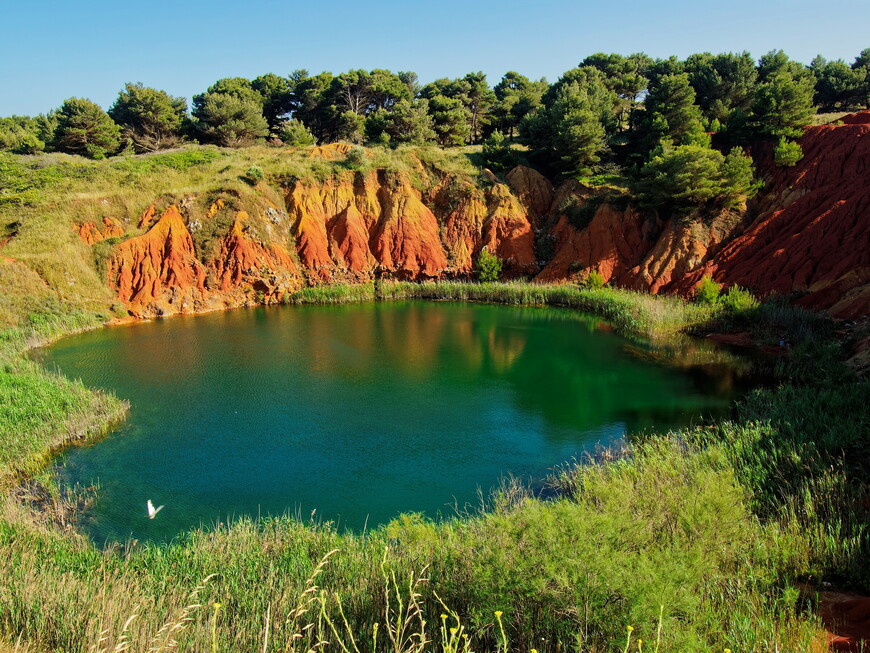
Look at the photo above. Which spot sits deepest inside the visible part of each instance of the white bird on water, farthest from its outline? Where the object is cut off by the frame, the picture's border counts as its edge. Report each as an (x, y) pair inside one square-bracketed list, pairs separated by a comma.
[(152, 511)]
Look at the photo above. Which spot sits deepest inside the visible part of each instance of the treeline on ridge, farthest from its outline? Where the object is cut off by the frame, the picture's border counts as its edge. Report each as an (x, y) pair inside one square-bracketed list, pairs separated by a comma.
[(625, 115)]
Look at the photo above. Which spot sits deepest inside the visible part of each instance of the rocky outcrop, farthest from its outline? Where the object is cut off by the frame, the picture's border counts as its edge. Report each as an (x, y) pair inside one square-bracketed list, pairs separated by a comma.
[(355, 225), (406, 239), (613, 243), (461, 206), (812, 231), (244, 265), (158, 273), (90, 233), (534, 192), (313, 206), (808, 232), (507, 232), (147, 217), (331, 151), (680, 250)]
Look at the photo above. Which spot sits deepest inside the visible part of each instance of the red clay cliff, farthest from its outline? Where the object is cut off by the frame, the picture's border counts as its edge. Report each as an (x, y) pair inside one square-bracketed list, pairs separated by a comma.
[(806, 234)]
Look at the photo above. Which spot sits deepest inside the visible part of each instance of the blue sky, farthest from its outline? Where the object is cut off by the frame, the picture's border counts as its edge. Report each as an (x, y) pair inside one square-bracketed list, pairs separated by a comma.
[(52, 50)]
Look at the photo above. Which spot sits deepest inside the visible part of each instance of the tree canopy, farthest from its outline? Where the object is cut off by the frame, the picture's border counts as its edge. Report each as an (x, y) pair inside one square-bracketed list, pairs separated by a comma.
[(150, 118), (680, 179), (84, 128), (630, 115)]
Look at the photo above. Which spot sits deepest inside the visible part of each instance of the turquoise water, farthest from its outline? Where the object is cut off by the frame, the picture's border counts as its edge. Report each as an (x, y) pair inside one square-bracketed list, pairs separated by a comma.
[(356, 413)]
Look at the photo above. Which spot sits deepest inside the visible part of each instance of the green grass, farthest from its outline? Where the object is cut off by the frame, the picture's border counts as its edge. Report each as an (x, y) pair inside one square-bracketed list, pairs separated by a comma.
[(827, 118), (665, 536), (40, 411), (631, 313), (695, 539), (333, 294), (803, 455)]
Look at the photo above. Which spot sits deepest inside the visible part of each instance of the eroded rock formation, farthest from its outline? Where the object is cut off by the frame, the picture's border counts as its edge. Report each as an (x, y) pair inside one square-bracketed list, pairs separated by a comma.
[(812, 230), (158, 273), (90, 233), (808, 231)]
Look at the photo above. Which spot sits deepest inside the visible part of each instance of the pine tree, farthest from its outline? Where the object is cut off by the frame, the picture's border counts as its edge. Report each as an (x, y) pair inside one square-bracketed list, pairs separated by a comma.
[(84, 128)]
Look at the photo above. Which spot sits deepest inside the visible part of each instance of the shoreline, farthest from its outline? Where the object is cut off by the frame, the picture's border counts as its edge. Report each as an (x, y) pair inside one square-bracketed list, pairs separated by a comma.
[(15, 481)]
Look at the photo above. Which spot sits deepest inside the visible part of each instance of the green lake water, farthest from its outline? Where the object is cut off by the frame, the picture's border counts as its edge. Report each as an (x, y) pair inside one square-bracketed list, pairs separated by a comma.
[(356, 413)]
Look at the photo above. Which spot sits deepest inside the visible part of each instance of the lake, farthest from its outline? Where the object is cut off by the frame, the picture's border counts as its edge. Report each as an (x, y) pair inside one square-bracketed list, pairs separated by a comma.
[(357, 413)]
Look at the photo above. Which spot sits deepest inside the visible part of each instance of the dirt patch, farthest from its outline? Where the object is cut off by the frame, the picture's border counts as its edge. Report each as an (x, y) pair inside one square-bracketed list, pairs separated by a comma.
[(846, 617)]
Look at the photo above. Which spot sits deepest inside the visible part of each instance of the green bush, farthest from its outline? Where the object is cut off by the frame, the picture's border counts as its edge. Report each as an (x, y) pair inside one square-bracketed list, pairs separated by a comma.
[(295, 134), (355, 159), (708, 291), (497, 154), (738, 300), (488, 266), (254, 175), (787, 153), (680, 179), (594, 280)]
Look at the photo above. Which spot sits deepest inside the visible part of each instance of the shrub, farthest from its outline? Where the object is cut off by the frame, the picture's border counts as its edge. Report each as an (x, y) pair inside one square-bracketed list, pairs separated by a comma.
[(20, 134), (707, 291), (84, 128), (787, 153), (295, 134), (681, 179), (488, 266), (738, 300), (594, 280), (254, 174), (497, 154), (229, 120), (355, 159), (150, 118)]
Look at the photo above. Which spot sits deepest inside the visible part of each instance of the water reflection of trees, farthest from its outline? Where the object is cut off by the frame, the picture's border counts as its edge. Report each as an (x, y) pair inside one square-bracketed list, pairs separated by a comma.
[(560, 365)]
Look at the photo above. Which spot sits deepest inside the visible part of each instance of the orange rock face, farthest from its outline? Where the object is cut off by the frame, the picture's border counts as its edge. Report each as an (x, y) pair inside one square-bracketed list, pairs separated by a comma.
[(244, 264), (847, 619), (612, 244), (535, 193), (681, 249), (332, 223), (353, 224), (112, 228), (147, 217), (507, 232), (331, 151), (813, 231), (158, 273), (406, 238), (90, 233), (810, 233), (462, 210)]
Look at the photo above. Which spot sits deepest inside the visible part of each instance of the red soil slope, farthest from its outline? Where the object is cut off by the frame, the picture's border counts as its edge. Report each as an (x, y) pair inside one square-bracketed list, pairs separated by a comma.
[(812, 233), (847, 620), (90, 233), (244, 263), (158, 273), (808, 231)]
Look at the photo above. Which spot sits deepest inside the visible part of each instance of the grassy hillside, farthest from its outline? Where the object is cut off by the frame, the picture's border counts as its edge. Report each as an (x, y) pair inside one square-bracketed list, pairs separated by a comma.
[(690, 541), (44, 198)]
